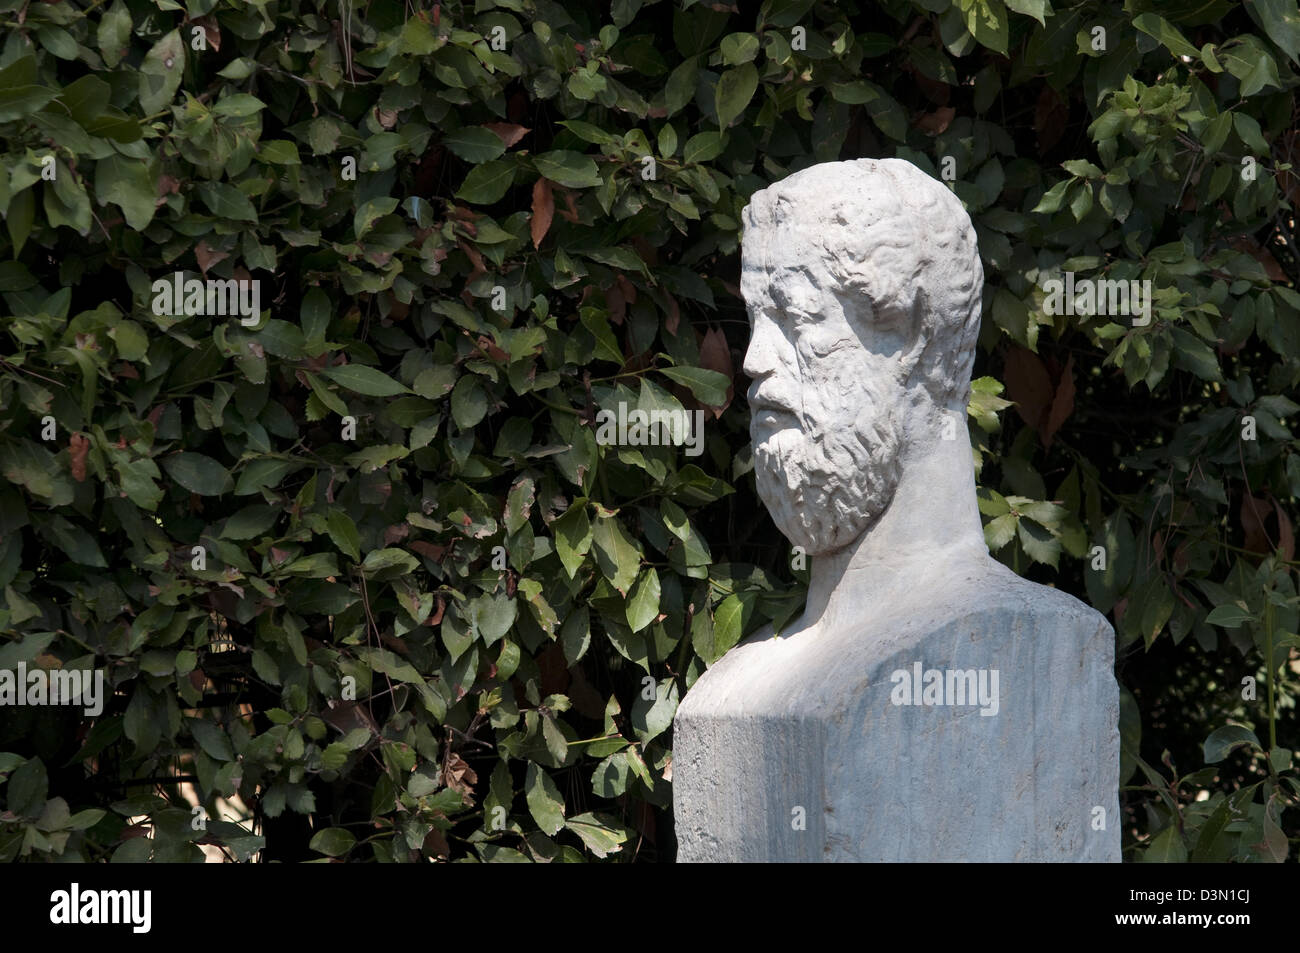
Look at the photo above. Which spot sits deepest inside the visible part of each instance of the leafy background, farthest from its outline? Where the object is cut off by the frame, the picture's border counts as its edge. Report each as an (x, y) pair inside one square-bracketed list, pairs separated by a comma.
[(463, 632)]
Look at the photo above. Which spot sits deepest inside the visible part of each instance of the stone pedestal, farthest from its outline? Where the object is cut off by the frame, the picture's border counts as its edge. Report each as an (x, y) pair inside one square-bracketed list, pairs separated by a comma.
[(806, 748)]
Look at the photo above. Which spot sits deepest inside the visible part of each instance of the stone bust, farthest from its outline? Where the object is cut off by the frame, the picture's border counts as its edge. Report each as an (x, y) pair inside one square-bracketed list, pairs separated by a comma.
[(929, 704)]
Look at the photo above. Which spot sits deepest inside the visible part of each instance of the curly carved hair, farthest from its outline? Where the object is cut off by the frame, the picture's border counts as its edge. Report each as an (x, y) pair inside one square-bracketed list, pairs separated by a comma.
[(890, 232)]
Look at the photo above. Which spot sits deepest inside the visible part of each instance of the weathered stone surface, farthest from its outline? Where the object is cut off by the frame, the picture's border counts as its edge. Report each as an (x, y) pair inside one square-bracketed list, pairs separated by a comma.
[(864, 287)]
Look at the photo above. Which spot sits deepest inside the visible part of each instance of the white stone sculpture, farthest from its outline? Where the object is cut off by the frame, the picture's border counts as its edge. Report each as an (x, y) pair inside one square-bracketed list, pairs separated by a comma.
[(929, 704)]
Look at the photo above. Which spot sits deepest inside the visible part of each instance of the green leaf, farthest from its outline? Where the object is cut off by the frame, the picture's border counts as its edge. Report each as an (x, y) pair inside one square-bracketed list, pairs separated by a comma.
[(544, 800), (730, 620), (361, 379), (571, 169), (225, 201), (709, 387), (602, 834), (1038, 9), (617, 554), (19, 101), (1164, 31), (1223, 740), (1229, 616), (1193, 354), (474, 144), (702, 147), (739, 48), (487, 183), (160, 73), (197, 473), (469, 404), (370, 212), (643, 600), (1053, 198), (987, 22), (343, 532), (493, 615), (651, 718), (1167, 848), (680, 88), (333, 841), (1039, 544), (314, 315), (113, 35), (279, 152), (1281, 22), (736, 87), (573, 536)]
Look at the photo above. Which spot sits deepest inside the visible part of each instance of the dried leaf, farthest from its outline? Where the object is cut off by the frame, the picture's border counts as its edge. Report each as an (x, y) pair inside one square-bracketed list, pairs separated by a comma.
[(1051, 114), (1286, 532), (78, 447), (1062, 403), (715, 355), (207, 256), (1029, 385), (543, 211), (508, 132), (936, 122), (1252, 513)]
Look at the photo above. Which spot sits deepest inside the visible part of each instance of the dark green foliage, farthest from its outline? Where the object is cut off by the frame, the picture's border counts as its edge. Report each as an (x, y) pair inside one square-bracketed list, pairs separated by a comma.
[(461, 628)]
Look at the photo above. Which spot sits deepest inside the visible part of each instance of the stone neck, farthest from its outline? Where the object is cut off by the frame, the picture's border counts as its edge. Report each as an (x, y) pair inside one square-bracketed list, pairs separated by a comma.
[(930, 528)]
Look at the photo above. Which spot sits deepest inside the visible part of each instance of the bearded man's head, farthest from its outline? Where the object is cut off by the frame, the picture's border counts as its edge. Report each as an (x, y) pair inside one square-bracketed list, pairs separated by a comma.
[(863, 283)]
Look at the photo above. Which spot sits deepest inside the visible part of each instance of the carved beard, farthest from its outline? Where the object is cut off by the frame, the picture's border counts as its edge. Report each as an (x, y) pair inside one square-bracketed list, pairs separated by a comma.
[(827, 482)]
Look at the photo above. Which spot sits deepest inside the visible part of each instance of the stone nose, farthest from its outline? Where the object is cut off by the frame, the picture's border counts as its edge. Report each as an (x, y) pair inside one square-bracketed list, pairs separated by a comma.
[(763, 356)]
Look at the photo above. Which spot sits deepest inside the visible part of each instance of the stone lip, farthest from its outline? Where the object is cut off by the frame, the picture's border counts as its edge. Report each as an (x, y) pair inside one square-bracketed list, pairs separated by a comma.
[(806, 721)]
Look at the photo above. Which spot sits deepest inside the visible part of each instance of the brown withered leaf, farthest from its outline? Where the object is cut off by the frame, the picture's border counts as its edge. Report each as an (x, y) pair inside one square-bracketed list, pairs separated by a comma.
[(459, 776), (1062, 403), (211, 30), (476, 260), (1029, 385), (1285, 531), (426, 548), (1051, 114), (615, 303), (78, 447), (715, 355), (674, 314), (570, 212), (168, 185), (345, 716), (438, 610), (554, 670), (543, 211), (936, 122), (435, 844), (1248, 244), (628, 289), (207, 256), (1252, 513), (508, 132)]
